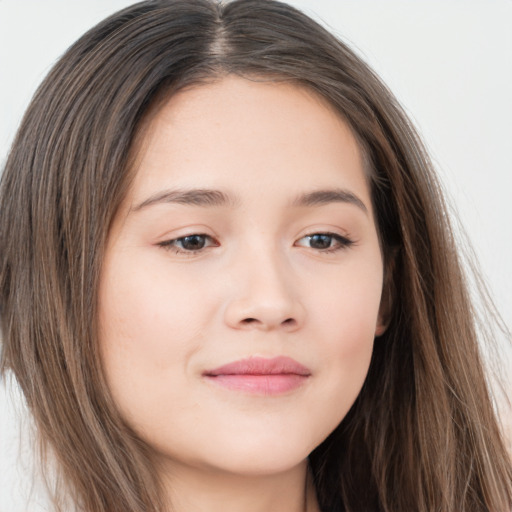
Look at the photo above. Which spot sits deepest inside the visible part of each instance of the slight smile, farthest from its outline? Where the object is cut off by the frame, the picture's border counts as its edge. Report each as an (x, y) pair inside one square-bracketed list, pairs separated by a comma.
[(260, 376)]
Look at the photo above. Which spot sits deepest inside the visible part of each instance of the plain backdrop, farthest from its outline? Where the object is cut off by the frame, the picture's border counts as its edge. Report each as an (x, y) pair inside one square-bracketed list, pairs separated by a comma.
[(448, 61)]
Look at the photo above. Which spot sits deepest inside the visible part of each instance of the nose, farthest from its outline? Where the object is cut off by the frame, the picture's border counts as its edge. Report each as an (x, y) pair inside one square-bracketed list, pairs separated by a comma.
[(265, 295)]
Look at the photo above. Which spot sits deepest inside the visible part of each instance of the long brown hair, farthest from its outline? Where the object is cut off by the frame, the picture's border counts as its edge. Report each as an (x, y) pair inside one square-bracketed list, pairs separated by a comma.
[(421, 436)]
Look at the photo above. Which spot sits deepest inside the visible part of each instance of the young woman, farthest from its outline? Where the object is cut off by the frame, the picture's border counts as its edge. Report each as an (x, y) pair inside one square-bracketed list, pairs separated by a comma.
[(228, 280)]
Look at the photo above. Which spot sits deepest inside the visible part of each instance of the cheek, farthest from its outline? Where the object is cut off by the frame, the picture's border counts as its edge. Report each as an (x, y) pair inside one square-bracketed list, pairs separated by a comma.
[(347, 317), (349, 306), (148, 333), (143, 307)]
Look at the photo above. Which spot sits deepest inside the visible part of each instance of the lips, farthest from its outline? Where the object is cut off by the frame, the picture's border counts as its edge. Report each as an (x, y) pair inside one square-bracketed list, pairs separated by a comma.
[(258, 375)]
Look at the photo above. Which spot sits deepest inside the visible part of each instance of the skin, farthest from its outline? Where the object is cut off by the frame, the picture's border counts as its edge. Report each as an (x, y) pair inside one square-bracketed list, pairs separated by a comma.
[(258, 287)]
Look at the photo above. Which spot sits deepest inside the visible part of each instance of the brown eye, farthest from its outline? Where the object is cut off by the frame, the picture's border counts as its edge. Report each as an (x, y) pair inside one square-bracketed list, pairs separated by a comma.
[(189, 244), (327, 242), (320, 241), (192, 242)]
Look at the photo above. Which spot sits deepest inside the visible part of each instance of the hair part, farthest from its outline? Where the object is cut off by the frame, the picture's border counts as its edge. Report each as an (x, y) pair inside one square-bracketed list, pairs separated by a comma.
[(421, 436)]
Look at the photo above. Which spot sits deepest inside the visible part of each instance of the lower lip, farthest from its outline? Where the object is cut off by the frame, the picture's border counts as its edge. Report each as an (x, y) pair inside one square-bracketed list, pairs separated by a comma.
[(272, 384)]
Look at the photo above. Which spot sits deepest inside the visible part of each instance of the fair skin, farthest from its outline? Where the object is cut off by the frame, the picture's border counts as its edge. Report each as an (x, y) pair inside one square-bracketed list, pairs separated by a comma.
[(279, 257)]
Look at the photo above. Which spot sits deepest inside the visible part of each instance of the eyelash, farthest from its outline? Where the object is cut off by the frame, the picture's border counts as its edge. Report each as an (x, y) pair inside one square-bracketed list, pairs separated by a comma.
[(171, 245), (341, 242)]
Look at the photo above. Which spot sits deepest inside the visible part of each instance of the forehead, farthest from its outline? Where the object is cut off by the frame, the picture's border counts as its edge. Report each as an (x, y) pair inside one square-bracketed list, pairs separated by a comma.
[(236, 130)]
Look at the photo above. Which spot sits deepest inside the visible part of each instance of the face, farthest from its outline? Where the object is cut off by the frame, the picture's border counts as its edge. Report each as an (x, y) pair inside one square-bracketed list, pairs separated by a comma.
[(240, 289)]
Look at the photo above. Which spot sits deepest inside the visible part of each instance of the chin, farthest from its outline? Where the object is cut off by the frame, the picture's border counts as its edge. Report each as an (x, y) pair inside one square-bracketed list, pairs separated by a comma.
[(251, 454), (260, 463)]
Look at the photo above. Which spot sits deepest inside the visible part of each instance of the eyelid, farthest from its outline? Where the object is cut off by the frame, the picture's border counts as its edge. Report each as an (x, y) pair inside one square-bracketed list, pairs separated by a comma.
[(343, 242), (172, 244)]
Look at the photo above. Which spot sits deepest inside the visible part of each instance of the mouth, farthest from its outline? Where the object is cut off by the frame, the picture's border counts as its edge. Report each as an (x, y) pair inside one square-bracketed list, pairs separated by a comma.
[(258, 375)]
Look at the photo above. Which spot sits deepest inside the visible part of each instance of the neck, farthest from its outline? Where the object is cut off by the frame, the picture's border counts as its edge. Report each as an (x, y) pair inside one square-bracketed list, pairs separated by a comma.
[(193, 490)]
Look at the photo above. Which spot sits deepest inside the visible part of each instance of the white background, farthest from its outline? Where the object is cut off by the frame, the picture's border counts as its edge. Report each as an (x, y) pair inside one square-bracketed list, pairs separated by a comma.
[(448, 61)]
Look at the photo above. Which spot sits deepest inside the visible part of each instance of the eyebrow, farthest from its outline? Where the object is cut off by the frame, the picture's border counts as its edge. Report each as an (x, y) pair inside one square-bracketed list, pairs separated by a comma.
[(322, 197), (215, 198), (193, 197)]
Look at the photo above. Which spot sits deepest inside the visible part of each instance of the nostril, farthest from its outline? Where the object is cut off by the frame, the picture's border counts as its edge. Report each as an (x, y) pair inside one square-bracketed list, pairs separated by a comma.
[(266, 323)]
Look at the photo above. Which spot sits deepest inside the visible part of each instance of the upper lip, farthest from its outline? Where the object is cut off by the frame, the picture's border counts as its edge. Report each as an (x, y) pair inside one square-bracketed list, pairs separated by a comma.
[(281, 365)]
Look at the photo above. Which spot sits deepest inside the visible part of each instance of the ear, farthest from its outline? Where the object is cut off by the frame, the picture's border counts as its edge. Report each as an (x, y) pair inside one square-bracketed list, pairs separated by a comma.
[(388, 294), (381, 328), (383, 319)]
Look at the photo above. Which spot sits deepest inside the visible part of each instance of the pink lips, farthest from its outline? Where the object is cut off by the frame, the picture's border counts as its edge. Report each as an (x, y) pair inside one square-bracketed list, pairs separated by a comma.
[(259, 375)]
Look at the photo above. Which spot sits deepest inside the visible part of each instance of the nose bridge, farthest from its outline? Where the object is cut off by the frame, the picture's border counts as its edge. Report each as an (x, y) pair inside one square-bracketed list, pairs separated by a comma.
[(264, 293)]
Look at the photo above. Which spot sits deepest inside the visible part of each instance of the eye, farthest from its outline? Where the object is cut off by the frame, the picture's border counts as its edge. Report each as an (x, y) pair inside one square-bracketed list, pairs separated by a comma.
[(189, 244), (325, 242)]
